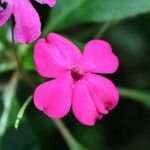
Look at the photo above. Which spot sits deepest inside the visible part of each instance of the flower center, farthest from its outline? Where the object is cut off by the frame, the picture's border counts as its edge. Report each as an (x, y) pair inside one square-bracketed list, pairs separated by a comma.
[(76, 73)]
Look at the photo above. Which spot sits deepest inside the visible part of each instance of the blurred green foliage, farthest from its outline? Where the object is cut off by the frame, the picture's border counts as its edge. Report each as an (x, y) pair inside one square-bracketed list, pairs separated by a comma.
[(125, 128), (69, 13)]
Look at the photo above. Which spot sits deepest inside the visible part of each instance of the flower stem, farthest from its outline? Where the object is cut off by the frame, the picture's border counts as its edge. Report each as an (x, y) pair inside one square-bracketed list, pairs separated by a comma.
[(21, 111), (14, 47), (70, 140)]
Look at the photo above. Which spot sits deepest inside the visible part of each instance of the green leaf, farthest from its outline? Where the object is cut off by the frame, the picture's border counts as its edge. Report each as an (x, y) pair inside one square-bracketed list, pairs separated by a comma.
[(7, 98), (136, 95), (73, 12)]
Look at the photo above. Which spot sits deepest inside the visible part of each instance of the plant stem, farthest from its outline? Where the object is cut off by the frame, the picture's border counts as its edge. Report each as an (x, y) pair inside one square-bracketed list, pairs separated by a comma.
[(70, 140), (102, 30), (22, 111), (14, 47)]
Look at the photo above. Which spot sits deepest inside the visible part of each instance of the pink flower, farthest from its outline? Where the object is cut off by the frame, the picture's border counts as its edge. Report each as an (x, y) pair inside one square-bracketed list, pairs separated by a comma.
[(27, 22), (75, 82)]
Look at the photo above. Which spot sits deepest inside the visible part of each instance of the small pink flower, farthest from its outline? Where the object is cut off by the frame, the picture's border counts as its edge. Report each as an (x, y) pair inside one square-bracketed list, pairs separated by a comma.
[(27, 22), (75, 82)]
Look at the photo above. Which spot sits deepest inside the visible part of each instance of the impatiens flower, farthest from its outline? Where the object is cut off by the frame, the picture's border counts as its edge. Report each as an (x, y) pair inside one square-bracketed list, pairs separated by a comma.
[(76, 81), (27, 22)]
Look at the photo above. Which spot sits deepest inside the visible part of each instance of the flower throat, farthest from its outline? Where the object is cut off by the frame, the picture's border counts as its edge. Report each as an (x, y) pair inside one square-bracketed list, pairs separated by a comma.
[(76, 73)]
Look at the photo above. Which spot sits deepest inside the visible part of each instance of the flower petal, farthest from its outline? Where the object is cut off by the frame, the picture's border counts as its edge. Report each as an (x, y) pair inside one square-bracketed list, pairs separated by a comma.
[(5, 13), (46, 66), (67, 52), (54, 55), (28, 26), (104, 93), (83, 106), (98, 58), (54, 97), (51, 3)]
